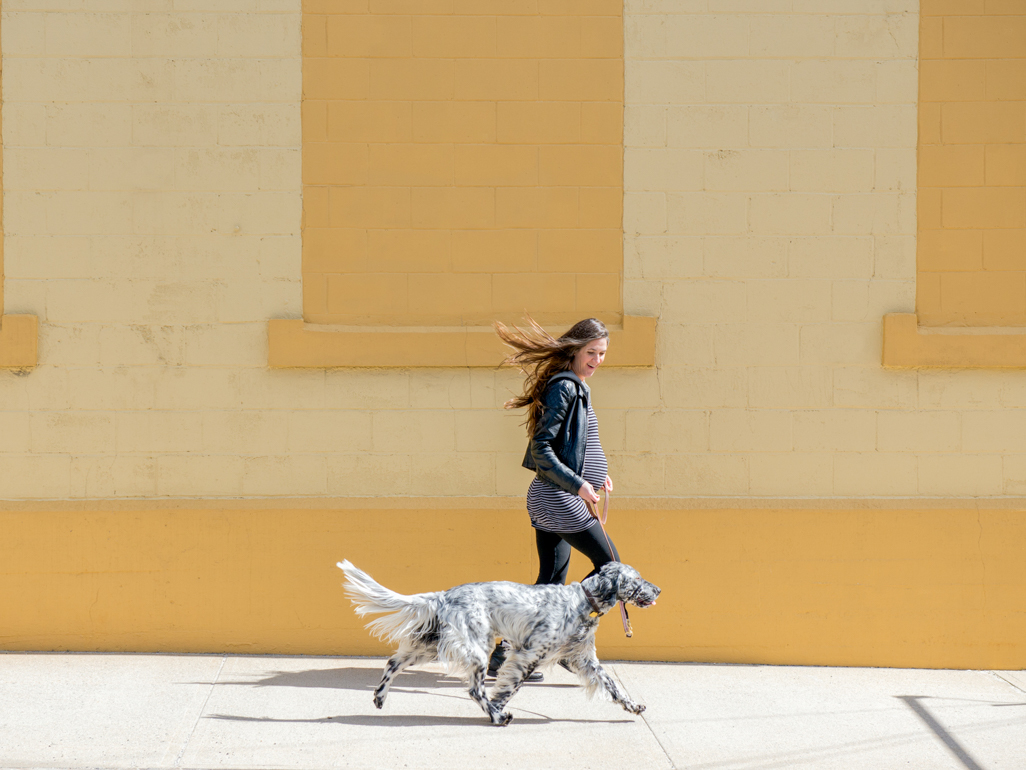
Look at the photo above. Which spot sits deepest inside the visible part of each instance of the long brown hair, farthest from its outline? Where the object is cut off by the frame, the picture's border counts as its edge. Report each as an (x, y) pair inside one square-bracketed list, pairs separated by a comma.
[(539, 356)]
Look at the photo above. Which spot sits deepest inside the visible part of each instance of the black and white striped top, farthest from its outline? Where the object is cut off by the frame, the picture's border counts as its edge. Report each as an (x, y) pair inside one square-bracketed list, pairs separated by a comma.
[(554, 510)]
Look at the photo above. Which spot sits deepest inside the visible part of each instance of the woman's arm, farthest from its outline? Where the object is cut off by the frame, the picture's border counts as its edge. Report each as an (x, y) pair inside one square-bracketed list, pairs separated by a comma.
[(555, 405)]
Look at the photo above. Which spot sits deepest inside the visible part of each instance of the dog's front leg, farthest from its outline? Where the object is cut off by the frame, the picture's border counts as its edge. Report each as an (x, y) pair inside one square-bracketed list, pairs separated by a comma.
[(595, 676)]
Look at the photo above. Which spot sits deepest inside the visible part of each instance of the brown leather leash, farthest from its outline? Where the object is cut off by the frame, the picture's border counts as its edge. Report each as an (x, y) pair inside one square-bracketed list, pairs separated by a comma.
[(602, 523)]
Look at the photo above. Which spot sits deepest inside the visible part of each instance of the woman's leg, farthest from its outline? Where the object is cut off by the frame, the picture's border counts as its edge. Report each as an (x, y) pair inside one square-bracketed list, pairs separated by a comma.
[(553, 558), (592, 543), (554, 561)]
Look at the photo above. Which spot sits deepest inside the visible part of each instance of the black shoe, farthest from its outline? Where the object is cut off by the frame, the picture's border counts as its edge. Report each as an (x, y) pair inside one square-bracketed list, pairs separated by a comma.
[(534, 676), (497, 659)]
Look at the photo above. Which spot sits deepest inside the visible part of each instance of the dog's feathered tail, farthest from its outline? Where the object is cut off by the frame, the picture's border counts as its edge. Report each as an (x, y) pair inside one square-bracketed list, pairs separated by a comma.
[(406, 615)]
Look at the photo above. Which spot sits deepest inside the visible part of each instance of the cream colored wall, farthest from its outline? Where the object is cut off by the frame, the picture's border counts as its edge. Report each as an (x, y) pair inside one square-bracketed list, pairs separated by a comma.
[(783, 232), (152, 202), (772, 265), (152, 208)]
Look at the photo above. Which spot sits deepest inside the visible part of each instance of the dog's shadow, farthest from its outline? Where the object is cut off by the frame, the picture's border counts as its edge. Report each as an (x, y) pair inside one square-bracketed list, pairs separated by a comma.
[(358, 678), (415, 720), (366, 679)]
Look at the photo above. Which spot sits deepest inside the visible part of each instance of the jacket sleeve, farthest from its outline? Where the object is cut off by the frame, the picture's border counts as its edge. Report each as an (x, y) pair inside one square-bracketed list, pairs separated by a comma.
[(556, 404)]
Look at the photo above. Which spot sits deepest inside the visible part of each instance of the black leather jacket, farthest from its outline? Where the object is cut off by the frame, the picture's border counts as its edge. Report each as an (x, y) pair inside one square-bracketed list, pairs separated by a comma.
[(556, 450)]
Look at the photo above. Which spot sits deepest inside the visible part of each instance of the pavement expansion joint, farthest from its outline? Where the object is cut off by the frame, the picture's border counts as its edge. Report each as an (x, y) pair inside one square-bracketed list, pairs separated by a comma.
[(199, 715)]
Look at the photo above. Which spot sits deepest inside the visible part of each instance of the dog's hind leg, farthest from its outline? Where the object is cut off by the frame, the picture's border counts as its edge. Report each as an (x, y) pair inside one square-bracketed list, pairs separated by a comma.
[(596, 678), (395, 664), (465, 643), (514, 672), (477, 692), (407, 655), (475, 660)]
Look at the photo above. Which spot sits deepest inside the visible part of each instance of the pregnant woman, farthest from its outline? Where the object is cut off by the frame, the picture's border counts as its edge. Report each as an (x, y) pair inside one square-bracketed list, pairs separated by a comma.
[(564, 448)]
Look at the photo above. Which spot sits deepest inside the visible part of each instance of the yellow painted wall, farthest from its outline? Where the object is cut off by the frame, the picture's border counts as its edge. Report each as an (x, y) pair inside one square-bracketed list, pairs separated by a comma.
[(1, 208), (462, 162), (918, 586), (153, 201), (972, 164)]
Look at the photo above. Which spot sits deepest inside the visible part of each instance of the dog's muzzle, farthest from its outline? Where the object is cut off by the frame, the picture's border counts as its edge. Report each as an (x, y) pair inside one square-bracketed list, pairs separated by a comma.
[(644, 595)]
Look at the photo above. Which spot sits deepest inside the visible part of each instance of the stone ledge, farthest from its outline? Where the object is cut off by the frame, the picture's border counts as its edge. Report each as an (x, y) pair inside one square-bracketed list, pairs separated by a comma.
[(293, 343), (908, 345), (19, 341)]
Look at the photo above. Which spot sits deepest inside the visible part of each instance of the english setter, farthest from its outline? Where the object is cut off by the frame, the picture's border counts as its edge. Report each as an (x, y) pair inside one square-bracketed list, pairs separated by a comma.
[(543, 625)]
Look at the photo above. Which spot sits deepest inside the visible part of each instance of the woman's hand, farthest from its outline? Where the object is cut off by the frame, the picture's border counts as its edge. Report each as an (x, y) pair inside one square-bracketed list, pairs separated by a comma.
[(588, 494), (608, 486)]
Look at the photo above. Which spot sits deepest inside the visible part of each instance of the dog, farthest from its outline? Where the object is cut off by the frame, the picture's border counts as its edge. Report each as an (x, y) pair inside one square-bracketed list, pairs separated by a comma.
[(543, 624)]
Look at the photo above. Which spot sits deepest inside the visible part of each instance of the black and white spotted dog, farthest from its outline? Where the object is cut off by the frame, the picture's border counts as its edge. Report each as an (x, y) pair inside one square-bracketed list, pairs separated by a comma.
[(542, 624)]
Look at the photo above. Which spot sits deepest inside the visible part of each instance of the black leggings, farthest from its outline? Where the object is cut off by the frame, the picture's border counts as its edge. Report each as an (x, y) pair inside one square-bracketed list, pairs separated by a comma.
[(554, 552)]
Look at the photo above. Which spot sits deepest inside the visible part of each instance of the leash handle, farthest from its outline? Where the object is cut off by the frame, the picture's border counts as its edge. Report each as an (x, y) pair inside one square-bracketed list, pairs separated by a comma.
[(605, 513), (624, 617), (626, 621)]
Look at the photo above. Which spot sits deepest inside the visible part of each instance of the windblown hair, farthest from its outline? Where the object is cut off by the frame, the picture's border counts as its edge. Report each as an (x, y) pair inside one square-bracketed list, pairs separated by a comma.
[(539, 356)]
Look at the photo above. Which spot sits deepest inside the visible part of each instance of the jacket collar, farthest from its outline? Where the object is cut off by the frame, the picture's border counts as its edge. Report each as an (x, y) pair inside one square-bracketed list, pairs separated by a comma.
[(567, 374)]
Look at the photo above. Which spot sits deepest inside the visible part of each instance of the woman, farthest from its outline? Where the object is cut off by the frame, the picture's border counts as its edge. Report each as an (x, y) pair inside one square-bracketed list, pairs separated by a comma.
[(564, 448)]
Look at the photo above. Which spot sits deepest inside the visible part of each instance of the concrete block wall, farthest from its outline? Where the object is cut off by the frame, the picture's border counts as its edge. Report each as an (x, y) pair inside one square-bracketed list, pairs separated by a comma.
[(152, 223), (783, 232), (153, 194)]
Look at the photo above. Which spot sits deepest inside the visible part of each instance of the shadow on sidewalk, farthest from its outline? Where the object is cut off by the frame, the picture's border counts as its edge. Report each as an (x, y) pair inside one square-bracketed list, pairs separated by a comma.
[(414, 720), (358, 678), (355, 678)]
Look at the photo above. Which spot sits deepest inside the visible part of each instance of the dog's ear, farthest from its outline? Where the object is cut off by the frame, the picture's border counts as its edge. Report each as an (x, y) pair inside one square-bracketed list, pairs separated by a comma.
[(609, 577), (611, 571), (626, 579)]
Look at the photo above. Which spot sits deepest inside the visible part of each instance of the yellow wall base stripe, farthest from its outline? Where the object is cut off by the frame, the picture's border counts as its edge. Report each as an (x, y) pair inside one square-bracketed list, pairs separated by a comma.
[(941, 588)]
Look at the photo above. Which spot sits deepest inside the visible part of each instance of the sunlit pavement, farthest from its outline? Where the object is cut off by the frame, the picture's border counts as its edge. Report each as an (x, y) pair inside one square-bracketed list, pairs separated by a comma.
[(216, 711)]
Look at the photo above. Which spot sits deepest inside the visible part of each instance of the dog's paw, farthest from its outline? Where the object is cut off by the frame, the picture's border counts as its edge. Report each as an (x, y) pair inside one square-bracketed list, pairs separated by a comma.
[(502, 719), (379, 701), (634, 708)]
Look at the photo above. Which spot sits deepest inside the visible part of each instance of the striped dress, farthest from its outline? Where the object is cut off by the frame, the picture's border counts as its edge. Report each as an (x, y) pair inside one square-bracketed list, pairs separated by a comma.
[(554, 510)]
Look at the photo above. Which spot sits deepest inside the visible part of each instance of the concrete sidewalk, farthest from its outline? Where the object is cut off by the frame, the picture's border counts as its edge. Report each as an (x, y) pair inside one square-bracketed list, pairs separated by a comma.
[(200, 711)]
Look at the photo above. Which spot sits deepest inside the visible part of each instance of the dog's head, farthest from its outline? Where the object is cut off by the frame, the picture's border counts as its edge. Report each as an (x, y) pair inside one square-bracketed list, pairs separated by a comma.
[(619, 582)]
